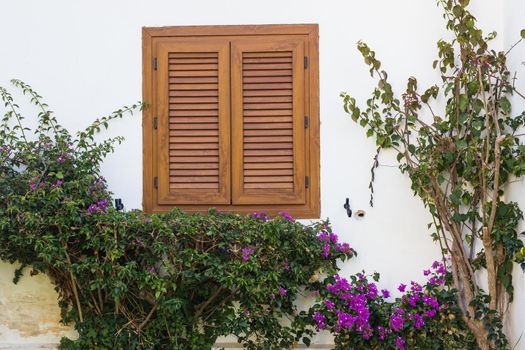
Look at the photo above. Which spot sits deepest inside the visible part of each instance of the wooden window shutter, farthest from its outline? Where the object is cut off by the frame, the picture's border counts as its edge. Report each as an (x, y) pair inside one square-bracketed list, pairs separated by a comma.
[(268, 115), (233, 121), (192, 82)]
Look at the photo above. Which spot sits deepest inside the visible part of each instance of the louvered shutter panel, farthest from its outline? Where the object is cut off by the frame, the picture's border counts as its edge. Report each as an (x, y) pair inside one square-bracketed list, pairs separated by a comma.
[(193, 82), (268, 103)]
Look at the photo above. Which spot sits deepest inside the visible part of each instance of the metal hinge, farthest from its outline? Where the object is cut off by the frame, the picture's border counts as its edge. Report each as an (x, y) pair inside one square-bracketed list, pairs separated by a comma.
[(306, 182), (306, 122), (155, 123), (305, 62), (156, 182), (155, 63)]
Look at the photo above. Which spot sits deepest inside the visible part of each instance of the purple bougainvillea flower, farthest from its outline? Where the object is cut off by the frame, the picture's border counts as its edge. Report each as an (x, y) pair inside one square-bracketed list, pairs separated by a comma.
[(426, 272), (386, 293), (247, 252), (415, 287), (287, 216), (418, 321), (402, 288), (396, 322), (282, 291), (400, 343), (329, 304), (430, 313), (320, 320), (326, 251)]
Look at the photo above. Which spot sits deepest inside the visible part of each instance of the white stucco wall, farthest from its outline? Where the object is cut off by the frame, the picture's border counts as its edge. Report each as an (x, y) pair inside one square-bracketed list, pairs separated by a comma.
[(85, 58), (514, 20)]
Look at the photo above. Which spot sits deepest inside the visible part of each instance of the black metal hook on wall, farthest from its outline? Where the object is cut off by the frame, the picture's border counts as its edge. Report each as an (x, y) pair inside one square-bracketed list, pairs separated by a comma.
[(118, 204), (347, 207)]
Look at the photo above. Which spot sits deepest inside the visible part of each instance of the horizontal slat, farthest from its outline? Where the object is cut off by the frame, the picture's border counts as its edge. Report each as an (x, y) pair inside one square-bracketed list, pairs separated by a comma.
[(287, 145), (190, 179), (192, 93), (263, 113), (213, 186), (268, 172), (267, 54), (193, 120), (195, 86), (194, 133), (267, 60), (194, 152), (270, 92), (200, 113), (196, 73), (267, 125), (267, 86), (267, 179), (178, 55), (268, 106), (268, 152), (287, 185), (194, 159), (192, 67), (196, 99), (273, 79), (175, 166), (196, 80), (201, 126), (196, 146), (200, 172), (266, 66), (270, 99), (268, 119), (196, 139), (268, 73), (259, 139), (267, 132), (271, 159), (191, 106), (193, 60), (287, 165)]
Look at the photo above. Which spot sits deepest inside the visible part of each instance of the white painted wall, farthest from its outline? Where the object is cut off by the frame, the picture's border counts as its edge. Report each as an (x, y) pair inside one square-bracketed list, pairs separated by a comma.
[(85, 58), (514, 21)]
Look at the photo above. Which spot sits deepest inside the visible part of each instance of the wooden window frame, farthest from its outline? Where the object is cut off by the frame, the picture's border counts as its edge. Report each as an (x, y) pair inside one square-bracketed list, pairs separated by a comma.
[(310, 33)]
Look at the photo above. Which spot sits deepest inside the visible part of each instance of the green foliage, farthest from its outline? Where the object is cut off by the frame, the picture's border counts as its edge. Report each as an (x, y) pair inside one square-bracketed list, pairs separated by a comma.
[(134, 281), (459, 144)]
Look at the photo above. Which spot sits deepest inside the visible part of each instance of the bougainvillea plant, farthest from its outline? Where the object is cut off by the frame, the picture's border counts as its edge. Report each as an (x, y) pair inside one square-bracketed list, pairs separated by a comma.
[(459, 144), (133, 281), (360, 315)]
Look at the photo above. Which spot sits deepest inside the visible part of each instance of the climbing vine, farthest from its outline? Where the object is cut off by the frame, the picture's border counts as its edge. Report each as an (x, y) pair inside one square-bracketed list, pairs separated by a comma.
[(458, 141)]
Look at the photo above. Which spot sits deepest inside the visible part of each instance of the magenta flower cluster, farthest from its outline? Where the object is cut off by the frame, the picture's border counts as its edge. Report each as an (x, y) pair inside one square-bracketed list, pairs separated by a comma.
[(261, 216), (247, 252), (287, 216), (99, 207), (330, 240), (347, 306)]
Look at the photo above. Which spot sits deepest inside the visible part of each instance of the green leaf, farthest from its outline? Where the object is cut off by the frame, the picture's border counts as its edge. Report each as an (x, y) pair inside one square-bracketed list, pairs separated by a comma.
[(522, 33), (463, 102)]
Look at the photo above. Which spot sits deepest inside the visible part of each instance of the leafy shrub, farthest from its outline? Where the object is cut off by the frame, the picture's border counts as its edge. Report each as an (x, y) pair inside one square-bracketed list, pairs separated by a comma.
[(135, 281), (424, 317)]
